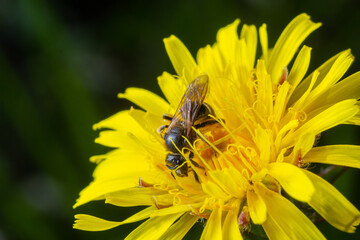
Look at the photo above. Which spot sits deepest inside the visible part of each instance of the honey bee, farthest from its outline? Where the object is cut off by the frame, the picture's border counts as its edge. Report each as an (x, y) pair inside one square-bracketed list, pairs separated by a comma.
[(191, 112)]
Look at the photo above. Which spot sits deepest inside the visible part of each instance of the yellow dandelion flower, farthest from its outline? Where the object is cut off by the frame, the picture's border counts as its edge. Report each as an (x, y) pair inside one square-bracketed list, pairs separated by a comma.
[(234, 144)]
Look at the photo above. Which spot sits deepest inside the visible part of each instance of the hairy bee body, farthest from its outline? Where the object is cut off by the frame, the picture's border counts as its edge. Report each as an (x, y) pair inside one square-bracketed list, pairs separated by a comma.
[(191, 112)]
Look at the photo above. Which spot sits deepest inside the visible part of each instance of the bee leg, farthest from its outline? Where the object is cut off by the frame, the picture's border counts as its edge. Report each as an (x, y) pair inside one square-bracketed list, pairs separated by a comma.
[(167, 117), (172, 175), (209, 122), (196, 177), (191, 155), (161, 128), (204, 124)]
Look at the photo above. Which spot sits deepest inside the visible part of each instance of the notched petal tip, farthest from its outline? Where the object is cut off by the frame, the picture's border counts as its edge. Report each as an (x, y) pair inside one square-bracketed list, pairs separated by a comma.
[(332, 205), (182, 60), (145, 99), (90, 223), (170, 38), (287, 44), (354, 224)]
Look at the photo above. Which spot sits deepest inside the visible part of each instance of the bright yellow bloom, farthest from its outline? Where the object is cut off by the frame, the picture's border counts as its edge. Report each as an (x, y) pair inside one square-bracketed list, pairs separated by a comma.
[(268, 122)]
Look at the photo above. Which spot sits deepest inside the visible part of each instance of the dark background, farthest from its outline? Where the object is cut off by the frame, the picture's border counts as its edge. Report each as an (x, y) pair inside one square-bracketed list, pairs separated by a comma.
[(62, 64)]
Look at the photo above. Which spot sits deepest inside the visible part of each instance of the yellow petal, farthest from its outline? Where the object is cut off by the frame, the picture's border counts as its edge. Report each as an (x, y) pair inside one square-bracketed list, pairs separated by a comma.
[(230, 227), (264, 90), (293, 180), (241, 59), (212, 229), (250, 35), (99, 158), (264, 42), (125, 126), (150, 123), (179, 229), (180, 57), (227, 38), (285, 216), (287, 44), (96, 190), (302, 147), (146, 100), (116, 139), (332, 205), (214, 190), (153, 228), (262, 140), (172, 88), (280, 101), (257, 207), (328, 118), (172, 210), (240, 71), (299, 104), (355, 120), (283, 131), (343, 155), (126, 164), (304, 85), (273, 230), (342, 62), (120, 121), (115, 174), (349, 88), (90, 223), (226, 181), (300, 67), (134, 196), (239, 179), (211, 61), (336, 71)]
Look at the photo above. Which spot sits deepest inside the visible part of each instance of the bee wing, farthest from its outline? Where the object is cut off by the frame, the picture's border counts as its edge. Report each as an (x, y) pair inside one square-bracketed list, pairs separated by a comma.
[(190, 104)]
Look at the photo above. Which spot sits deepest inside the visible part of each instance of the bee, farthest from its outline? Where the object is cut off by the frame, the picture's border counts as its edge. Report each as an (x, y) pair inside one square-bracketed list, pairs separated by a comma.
[(191, 112)]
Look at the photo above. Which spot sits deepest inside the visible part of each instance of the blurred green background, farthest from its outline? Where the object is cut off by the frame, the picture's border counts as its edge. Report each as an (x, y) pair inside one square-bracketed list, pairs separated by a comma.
[(62, 64)]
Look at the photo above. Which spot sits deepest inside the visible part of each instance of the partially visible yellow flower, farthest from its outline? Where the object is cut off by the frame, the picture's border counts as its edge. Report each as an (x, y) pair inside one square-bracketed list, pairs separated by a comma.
[(268, 120)]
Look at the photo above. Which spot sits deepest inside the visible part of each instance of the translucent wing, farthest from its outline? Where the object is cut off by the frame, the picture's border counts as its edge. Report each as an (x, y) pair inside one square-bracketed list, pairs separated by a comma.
[(190, 104)]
